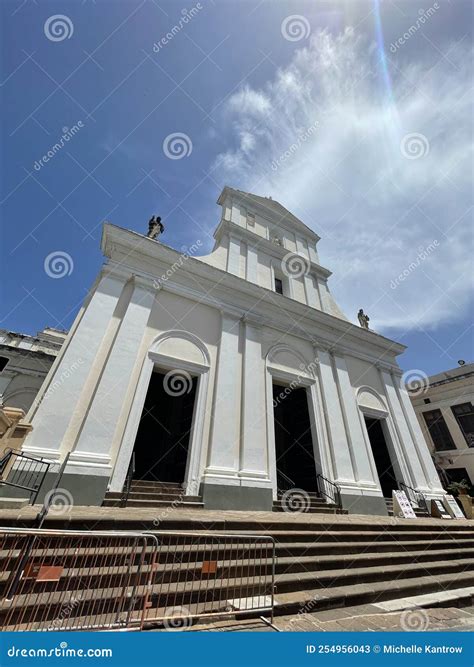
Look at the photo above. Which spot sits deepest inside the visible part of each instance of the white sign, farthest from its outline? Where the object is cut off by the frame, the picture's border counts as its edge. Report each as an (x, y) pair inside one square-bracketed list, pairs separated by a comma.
[(437, 509), (453, 508), (402, 506)]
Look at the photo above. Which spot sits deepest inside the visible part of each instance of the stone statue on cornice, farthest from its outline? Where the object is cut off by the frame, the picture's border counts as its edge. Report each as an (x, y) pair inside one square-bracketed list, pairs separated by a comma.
[(363, 319)]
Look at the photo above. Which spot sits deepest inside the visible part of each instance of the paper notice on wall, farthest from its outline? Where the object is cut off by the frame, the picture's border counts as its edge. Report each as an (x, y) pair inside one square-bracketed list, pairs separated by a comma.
[(402, 506), (453, 508)]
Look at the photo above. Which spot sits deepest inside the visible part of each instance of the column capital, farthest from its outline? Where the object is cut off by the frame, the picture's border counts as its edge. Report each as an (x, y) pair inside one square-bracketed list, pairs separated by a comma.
[(251, 320), (388, 368)]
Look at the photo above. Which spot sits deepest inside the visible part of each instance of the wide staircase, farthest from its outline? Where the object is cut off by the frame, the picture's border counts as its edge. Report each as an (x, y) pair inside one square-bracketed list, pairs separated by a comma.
[(144, 493), (321, 563)]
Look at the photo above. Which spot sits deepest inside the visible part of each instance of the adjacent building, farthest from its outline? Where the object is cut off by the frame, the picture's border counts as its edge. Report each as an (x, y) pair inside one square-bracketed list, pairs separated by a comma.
[(233, 373), (24, 364), (445, 411)]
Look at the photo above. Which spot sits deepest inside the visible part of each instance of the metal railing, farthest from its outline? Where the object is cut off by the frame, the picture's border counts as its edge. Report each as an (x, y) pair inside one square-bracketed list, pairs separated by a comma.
[(51, 494), (198, 575), (329, 490), (68, 580), (128, 481), (284, 483), (85, 580), (22, 471), (415, 497)]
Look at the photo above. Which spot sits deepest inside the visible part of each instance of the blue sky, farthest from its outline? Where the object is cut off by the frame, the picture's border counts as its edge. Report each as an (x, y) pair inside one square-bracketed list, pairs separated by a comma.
[(356, 115)]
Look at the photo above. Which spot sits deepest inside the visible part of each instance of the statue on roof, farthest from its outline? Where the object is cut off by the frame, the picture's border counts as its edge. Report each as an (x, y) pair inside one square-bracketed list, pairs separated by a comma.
[(155, 227), (363, 319)]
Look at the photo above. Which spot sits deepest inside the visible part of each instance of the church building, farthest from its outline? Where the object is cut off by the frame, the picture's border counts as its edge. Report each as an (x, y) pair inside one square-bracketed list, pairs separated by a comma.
[(234, 374)]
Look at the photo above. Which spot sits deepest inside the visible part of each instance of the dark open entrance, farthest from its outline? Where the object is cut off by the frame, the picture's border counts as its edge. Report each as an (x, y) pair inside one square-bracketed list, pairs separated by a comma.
[(293, 440), (383, 462), (161, 445)]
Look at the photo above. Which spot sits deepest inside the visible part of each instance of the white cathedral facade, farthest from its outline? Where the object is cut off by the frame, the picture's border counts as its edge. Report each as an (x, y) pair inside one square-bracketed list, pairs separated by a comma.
[(234, 373)]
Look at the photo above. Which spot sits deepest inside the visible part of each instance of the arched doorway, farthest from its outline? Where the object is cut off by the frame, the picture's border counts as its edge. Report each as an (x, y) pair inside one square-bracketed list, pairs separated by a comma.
[(167, 433), (375, 423)]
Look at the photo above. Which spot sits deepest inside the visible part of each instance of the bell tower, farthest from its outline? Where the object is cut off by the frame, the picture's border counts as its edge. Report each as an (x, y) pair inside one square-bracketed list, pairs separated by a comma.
[(259, 240)]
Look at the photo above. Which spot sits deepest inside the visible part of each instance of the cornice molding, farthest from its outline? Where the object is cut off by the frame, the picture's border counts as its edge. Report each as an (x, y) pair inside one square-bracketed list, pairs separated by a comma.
[(230, 292), (261, 243)]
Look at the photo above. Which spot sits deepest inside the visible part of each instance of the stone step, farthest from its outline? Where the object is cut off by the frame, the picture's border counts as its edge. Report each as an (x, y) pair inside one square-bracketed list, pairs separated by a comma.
[(185, 503), (335, 548), (289, 572), (298, 492), (306, 601), (150, 484), (326, 554), (313, 509), (282, 533), (148, 495), (321, 584)]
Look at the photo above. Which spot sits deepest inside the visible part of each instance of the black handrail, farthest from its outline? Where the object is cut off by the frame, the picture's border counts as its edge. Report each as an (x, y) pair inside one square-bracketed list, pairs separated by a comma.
[(49, 498), (414, 496), (329, 490), (128, 481), (26, 472)]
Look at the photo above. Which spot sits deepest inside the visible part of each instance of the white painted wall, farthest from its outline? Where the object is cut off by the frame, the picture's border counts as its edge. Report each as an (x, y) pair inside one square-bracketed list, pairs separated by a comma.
[(236, 340)]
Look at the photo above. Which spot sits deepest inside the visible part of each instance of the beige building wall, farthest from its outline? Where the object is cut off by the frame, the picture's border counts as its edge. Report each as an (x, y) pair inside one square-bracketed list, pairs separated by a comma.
[(443, 392)]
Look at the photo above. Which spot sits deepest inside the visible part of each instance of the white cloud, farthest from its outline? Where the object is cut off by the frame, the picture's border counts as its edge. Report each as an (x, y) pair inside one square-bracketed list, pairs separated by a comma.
[(375, 209)]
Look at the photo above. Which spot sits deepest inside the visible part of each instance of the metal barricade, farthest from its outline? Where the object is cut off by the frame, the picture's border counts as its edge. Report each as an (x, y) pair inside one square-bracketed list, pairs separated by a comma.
[(199, 575), (68, 580)]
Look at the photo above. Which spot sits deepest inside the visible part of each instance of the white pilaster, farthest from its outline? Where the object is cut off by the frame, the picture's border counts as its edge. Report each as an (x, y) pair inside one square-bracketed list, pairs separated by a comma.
[(338, 444), (54, 413), (355, 435), (233, 257), (312, 295), (324, 295), (97, 435), (252, 264), (223, 453), (253, 451), (406, 443)]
